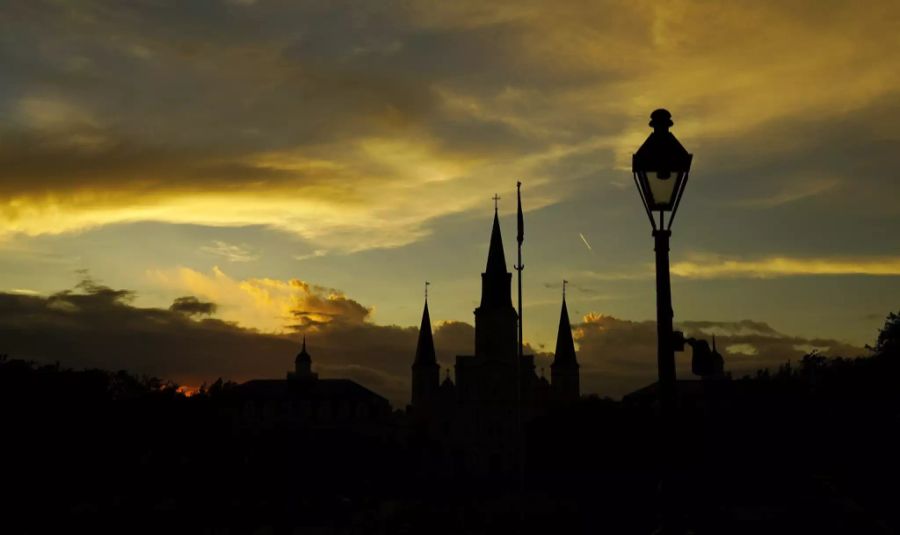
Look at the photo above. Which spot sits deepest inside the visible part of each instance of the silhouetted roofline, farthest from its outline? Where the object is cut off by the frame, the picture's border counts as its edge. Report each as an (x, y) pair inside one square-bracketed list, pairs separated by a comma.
[(321, 389)]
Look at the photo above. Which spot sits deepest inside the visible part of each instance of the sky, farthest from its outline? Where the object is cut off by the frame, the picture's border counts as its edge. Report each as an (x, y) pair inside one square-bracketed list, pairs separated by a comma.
[(285, 167)]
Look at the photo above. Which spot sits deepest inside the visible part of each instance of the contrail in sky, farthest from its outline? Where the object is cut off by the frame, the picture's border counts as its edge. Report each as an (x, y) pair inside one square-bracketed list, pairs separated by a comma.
[(591, 249)]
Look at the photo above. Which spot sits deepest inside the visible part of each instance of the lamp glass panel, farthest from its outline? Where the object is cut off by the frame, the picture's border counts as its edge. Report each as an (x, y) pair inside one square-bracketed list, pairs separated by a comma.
[(662, 190)]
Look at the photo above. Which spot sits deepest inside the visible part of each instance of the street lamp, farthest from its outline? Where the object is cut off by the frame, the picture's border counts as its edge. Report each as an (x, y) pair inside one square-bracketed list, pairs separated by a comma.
[(661, 166)]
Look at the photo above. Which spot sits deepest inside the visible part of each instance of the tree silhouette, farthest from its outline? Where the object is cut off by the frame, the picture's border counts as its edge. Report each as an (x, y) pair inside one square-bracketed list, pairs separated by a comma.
[(888, 342)]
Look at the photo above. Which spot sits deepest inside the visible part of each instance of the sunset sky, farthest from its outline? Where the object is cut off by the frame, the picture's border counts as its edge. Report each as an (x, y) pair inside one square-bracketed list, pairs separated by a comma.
[(308, 165)]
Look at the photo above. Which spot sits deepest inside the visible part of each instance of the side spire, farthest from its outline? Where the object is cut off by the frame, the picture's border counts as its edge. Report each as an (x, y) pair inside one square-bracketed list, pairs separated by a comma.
[(425, 369), (425, 354), (565, 381), (565, 345)]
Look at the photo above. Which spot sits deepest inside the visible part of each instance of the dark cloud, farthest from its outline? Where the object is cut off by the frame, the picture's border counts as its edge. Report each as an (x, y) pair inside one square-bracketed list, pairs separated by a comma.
[(191, 306), (96, 326), (166, 97), (618, 356), (832, 182)]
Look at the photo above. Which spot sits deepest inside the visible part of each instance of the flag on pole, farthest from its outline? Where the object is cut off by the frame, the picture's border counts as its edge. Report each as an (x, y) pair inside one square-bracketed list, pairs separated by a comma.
[(520, 237)]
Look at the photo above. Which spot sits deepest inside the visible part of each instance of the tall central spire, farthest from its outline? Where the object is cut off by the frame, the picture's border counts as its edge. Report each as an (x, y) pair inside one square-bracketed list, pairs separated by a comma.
[(496, 262), (496, 321)]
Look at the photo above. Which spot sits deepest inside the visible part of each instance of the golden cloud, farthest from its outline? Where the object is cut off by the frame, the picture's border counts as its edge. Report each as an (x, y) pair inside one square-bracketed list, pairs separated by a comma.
[(268, 305), (717, 267), (382, 195), (359, 143)]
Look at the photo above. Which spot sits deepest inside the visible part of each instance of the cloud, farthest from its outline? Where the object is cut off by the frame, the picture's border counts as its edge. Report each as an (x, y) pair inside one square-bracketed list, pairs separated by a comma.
[(96, 326), (338, 124), (191, 306), (93, 325), (318, 253), (231, 252), (793, 191), (267, 304), (712, 266), (619, 356)]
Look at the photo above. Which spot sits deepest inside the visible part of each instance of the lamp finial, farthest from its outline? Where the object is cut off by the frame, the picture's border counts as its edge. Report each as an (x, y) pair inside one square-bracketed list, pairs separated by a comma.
[(661, 120)]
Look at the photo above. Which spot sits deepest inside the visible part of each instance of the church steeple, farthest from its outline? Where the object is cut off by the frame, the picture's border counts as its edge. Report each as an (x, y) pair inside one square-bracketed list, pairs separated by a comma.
[(425, 369), (496, 291), (425, 354), (496, 262), (496, 321), (564, 370), (565, 345)]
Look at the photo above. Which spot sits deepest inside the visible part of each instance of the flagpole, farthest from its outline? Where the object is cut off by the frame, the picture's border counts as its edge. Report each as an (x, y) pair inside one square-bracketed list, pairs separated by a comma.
[(520, 237)]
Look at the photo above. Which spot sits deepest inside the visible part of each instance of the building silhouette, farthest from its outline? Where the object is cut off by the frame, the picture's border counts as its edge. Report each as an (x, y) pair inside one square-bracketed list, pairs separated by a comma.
[(480, 415), (303, 399)]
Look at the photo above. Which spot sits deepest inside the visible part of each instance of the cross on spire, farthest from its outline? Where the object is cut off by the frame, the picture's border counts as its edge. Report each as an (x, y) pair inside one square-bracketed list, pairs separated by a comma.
[(496, 200), (564, 287), (426, 289)]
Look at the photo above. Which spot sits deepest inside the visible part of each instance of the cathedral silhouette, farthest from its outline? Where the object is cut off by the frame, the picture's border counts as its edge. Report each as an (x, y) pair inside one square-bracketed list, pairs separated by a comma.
[(478, 418)]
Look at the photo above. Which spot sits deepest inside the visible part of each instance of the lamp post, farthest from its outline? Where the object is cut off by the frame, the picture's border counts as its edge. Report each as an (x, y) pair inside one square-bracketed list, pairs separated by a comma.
[(661, 167)]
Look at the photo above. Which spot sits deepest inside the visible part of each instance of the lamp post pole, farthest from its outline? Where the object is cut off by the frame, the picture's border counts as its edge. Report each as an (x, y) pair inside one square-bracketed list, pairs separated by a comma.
[(665, 357), (665, 360), (661, 167)]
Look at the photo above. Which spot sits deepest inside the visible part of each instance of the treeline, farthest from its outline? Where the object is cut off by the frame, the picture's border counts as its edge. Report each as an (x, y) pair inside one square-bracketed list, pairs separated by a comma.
[(808, 447), (118, 453)]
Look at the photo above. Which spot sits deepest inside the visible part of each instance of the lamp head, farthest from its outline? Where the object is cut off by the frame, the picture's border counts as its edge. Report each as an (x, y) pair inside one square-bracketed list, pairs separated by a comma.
[(661, 166)]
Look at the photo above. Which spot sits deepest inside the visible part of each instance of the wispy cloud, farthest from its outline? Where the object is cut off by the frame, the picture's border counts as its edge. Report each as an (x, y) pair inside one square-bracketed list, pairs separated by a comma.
[(318, 253), (794, 191), (711, 267), (230, 252), (24, 291)]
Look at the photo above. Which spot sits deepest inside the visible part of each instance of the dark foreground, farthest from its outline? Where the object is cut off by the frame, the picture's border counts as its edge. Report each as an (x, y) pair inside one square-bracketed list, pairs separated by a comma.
[(809, 449)]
